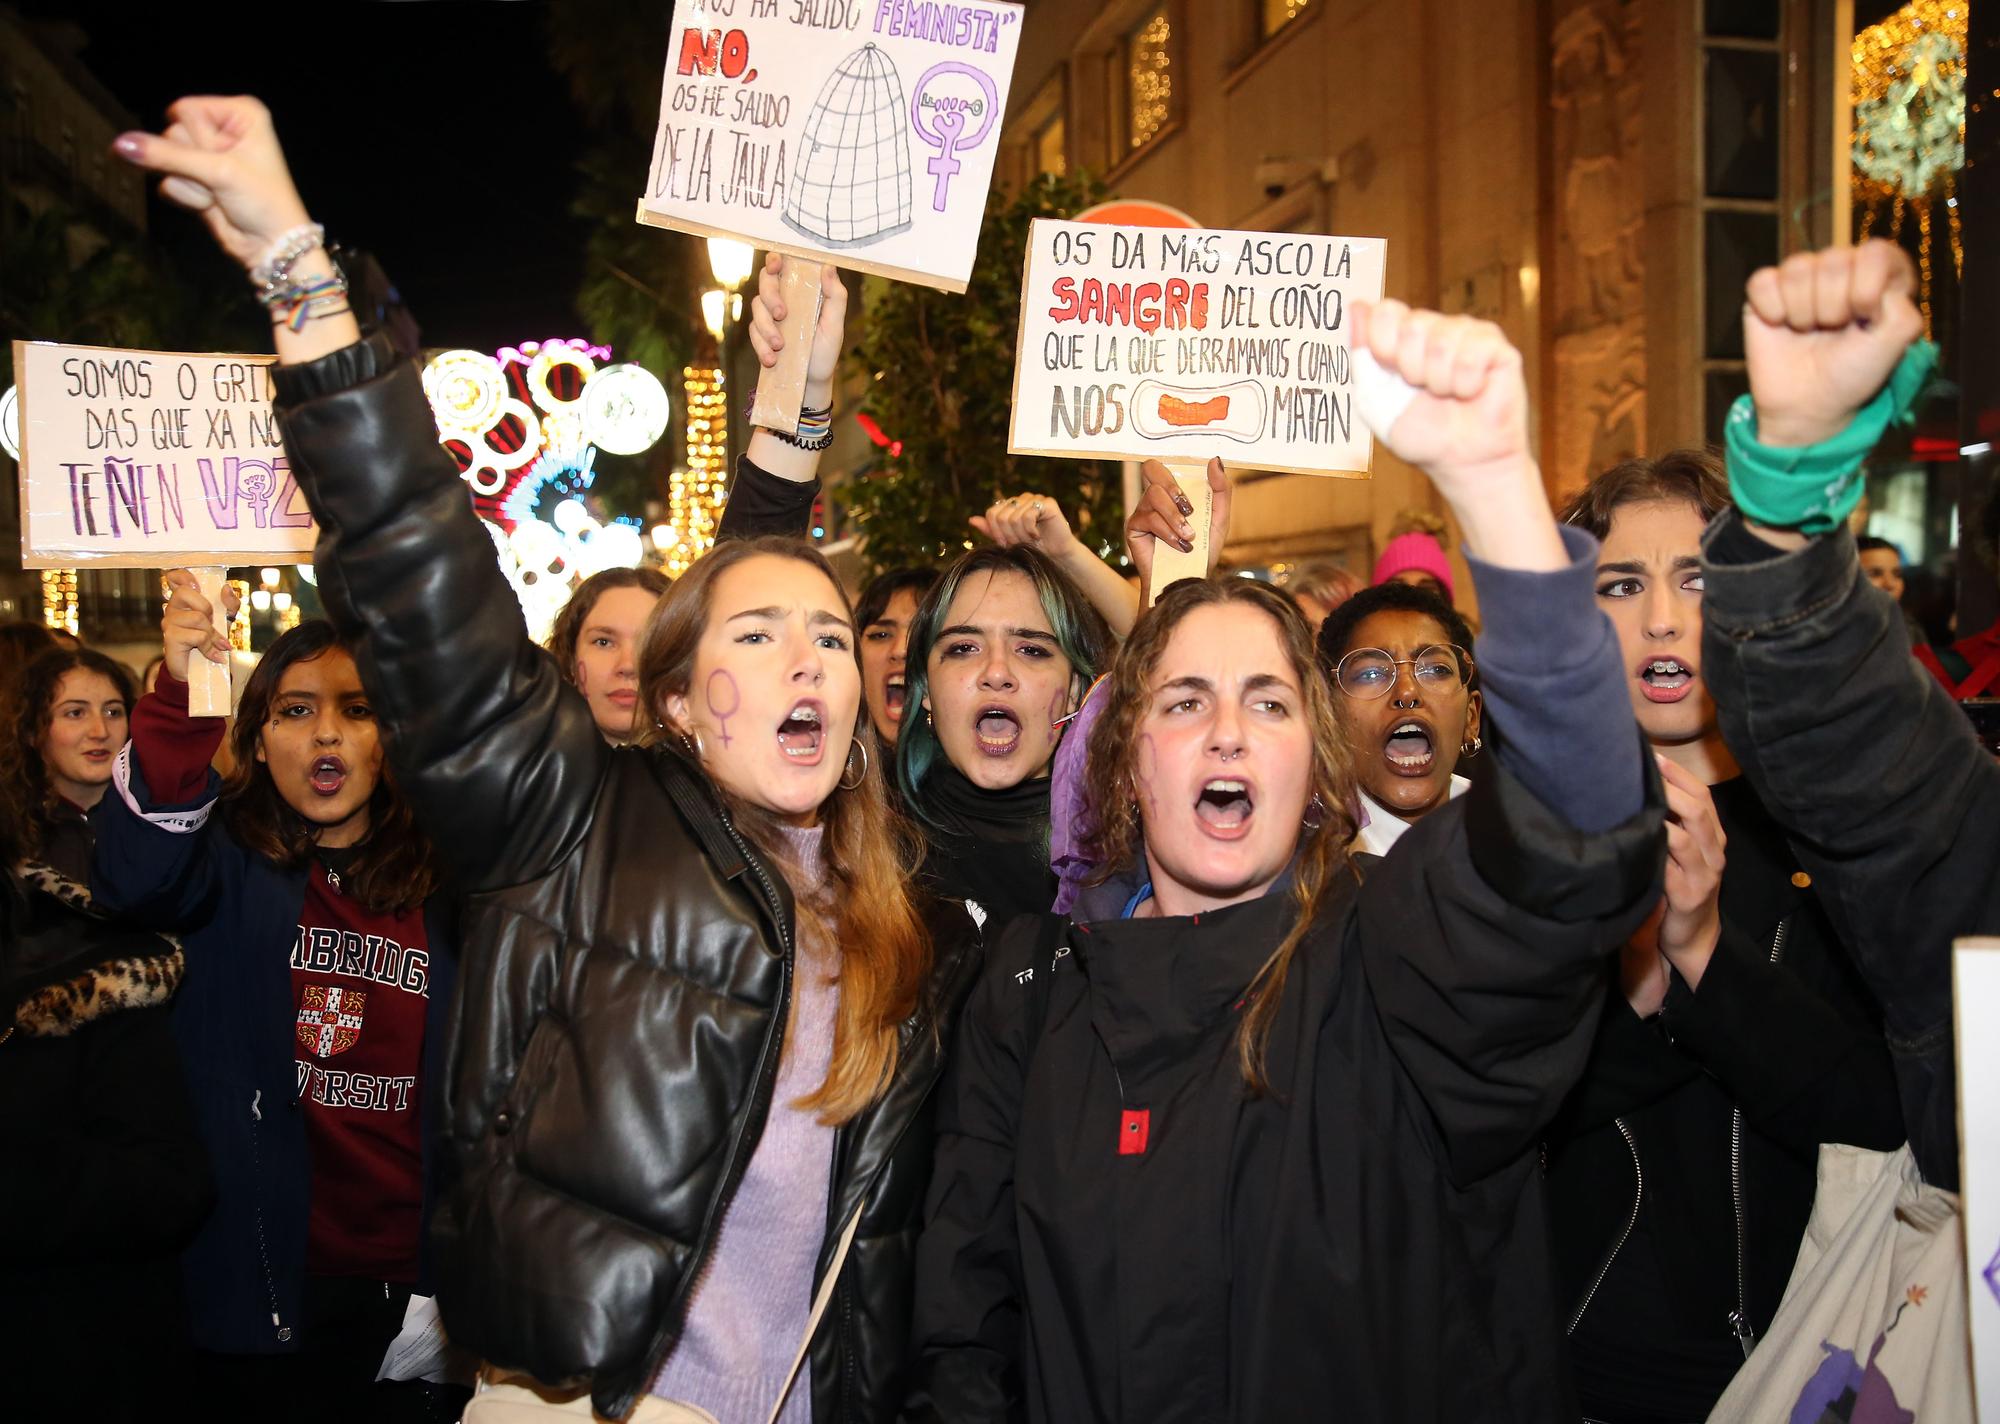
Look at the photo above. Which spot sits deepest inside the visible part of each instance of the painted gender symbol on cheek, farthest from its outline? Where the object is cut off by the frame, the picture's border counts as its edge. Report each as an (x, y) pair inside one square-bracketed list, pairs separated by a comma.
[(1058, 709), (720, 713), (1148, 764)]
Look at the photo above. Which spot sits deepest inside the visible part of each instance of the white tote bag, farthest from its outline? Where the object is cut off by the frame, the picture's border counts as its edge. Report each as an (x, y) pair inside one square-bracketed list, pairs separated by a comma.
[(1872, 1329)]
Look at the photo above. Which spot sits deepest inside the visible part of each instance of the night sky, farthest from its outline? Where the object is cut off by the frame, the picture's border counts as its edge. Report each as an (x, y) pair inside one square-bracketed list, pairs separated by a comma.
[(431, 132)]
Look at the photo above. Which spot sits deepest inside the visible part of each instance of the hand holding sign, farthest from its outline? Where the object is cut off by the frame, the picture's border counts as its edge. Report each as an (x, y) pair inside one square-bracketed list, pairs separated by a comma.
[(192, 624), (1466, 427), (1166, 513), (775, 326)]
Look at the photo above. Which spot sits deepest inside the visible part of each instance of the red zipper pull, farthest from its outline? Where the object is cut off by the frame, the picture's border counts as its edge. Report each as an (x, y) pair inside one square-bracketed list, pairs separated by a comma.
[(1134, 1127)]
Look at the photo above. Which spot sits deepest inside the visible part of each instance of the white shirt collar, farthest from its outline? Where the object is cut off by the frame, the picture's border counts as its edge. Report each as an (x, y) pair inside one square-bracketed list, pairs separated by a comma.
[(1381, 828)]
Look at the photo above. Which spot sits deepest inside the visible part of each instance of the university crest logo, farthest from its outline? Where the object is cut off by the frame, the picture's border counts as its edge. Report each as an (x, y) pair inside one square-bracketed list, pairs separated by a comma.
[(330, 1019)]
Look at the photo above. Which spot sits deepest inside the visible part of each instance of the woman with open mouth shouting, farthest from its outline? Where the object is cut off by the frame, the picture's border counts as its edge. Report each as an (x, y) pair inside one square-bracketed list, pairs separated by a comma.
[(687, 1095), (1403, 678), (887, 608), (1253, 1138), (1009, 646), (1681, 1173), (312, 1021)]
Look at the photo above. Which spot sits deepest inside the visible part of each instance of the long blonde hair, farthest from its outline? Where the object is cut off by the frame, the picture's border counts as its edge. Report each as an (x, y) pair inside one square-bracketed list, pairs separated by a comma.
[(1115, 841), (883, 947)]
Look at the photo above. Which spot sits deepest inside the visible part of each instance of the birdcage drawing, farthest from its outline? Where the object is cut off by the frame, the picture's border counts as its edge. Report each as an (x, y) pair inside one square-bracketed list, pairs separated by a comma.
[(851, 184)]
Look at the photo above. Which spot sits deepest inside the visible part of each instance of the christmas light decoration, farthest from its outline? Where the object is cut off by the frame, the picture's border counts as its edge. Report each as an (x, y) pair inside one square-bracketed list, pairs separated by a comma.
[(59, 600), (1909, 124), (695, 494), (524, 426)]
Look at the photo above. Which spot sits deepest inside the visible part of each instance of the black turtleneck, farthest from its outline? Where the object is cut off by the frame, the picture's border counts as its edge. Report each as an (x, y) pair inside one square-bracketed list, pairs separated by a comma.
[(990, 847)]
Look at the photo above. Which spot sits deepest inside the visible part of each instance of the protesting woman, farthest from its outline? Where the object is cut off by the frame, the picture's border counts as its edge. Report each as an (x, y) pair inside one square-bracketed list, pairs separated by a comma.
[(312, 1021), (595, 642), (1252, 1140), (1009, 645), (63, 724), (887, 608), (1681, 1174), (1403, 679), (702, 1015)]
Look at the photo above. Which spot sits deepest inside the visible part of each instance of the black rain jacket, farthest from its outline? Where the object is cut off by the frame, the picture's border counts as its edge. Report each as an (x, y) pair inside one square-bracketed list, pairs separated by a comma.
[(627, 954), (1118, 1230), (1873, 771)]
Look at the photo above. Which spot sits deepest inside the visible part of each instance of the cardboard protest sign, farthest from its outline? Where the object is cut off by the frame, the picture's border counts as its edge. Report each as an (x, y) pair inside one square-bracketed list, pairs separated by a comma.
[(861, 132), (153, 459), (1156, 343)]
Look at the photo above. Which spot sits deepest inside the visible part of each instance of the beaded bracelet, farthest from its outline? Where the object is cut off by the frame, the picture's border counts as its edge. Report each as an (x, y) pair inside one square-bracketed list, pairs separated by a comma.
[(286, 248), (1813, 488)]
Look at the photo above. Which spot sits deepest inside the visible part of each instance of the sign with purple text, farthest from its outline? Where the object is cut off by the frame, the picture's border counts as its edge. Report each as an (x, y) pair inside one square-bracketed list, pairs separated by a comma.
[(862, 132), (153, 459), (1184, 344)]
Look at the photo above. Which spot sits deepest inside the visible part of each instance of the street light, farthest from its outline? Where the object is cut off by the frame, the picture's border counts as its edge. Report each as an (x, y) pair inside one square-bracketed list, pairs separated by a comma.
[(731, 261), (712, 310)]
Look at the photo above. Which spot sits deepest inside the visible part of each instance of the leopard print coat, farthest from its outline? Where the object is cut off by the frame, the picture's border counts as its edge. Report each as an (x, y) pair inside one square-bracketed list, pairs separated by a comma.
[(57, 998)]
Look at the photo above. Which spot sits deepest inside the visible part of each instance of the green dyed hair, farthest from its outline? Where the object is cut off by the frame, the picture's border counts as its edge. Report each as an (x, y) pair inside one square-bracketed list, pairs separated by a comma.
[(1081, 632)]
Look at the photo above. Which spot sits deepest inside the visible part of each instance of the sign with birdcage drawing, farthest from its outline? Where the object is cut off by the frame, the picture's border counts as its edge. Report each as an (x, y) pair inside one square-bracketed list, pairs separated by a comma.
[(862, 132)]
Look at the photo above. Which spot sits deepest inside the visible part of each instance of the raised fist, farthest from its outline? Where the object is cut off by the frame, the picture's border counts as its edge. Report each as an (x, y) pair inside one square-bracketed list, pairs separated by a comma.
[(1823, 332), (221, 158)]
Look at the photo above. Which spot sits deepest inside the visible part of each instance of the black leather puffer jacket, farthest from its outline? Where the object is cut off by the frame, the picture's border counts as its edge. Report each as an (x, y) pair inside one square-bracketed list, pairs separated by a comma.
[(627, 955)]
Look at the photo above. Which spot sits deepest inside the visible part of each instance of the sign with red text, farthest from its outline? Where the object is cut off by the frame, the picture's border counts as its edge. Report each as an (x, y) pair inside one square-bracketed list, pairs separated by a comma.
[(153, 459), (862, 132), (1162, 343)]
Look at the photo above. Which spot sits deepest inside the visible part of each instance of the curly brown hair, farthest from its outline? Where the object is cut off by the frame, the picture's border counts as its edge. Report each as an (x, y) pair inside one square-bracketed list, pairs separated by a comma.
[(1115, 841), (871, 856), (396, 869), (27, 797)]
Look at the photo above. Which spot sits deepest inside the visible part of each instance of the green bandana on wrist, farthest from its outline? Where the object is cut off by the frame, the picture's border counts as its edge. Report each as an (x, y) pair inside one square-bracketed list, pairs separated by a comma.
[(1813, 488)]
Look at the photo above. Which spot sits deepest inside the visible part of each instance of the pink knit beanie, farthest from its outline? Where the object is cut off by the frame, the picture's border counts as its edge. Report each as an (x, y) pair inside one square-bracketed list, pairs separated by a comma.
[(1415, 550)]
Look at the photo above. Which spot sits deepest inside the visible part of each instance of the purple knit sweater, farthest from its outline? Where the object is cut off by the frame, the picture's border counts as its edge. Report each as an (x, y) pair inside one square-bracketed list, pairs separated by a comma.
[(750, 1307)]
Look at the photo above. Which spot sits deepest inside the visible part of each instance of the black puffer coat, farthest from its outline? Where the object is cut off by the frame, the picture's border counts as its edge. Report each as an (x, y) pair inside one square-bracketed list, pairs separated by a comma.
[(627, 955)]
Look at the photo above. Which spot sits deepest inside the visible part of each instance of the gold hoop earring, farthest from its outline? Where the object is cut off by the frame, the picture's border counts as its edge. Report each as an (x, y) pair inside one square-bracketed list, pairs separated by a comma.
[(1470, 749), (857, 745)]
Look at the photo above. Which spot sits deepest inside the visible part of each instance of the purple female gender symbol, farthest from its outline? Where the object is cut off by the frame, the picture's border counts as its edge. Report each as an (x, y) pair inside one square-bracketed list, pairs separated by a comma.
[(720, 677), (946, 131)]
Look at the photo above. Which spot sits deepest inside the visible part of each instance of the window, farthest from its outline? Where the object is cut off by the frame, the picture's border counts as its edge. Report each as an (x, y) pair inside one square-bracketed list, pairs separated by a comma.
[(1274, 15), (1742, 150), (1051, 147), (1145, 63)]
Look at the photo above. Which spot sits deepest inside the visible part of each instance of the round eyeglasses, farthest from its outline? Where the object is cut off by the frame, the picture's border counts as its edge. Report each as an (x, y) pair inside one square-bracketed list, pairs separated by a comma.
[(1369, 673)]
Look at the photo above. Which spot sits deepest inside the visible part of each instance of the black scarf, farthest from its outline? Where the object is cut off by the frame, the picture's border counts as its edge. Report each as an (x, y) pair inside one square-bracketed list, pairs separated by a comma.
[(991, 847)]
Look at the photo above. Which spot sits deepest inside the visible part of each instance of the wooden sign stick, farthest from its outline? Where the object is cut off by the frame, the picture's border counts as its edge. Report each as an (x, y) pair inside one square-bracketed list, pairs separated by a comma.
[(208, 683), (781, 388)]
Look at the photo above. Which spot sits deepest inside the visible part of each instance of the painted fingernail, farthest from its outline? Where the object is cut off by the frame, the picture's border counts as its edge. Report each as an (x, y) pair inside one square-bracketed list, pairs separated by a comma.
[(129, 144), (1187, 546), (1185, 505)]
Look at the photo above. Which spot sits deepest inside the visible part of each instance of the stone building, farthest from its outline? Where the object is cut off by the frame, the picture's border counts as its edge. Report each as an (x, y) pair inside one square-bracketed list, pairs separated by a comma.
[(1598, 176), (56, 126)]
